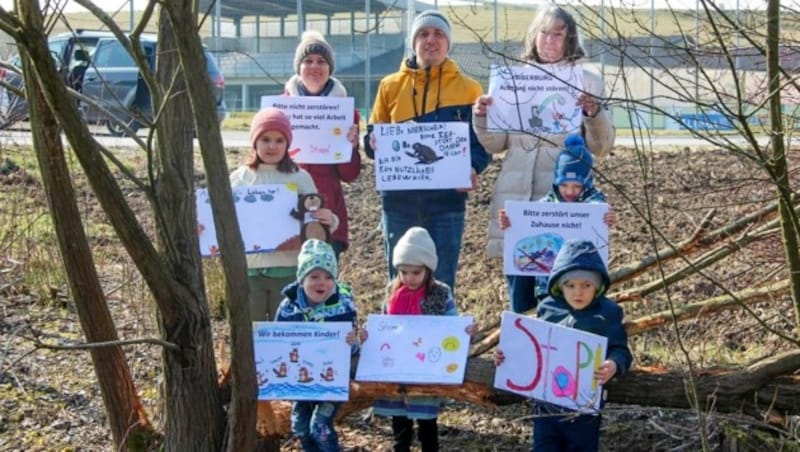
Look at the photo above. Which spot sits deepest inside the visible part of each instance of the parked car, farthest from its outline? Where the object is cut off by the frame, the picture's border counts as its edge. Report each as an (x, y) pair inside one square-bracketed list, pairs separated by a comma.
[(64, 48), (13, 108), (113, 80)]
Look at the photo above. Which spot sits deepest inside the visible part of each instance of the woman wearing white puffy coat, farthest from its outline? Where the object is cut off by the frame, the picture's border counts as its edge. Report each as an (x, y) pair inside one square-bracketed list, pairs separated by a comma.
[(527, 171)]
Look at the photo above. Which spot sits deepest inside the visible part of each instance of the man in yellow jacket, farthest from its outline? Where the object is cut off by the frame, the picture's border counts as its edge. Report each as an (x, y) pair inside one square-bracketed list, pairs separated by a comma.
[(428, 87)]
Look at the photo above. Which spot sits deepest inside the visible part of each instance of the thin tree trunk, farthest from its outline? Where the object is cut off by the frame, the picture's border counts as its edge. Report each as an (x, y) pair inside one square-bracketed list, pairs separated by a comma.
[(242, 410), (705, 307), (195, 418), (699, 240), (129, 425), (693, 267), (790, 226)]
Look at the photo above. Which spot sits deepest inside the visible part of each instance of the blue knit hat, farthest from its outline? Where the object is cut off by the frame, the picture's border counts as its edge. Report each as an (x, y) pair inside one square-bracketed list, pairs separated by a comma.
[(316, 254), (574, 163), (429, 18)]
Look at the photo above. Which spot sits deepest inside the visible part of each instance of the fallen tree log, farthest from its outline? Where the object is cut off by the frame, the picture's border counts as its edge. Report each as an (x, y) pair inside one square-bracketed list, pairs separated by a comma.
[(766, 390), (706, 307), (694, 266), (491, 335), (700, 239)]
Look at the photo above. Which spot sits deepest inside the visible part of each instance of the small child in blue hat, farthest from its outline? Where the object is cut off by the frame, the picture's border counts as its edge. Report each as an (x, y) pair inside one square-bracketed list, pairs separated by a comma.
[(572, 182)]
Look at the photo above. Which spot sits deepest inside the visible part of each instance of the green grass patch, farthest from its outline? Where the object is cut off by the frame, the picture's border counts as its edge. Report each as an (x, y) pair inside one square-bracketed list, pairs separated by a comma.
[(239, 120)]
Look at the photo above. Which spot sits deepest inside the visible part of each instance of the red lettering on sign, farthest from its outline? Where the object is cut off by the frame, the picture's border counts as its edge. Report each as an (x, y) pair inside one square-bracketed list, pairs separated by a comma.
[(538, 349)]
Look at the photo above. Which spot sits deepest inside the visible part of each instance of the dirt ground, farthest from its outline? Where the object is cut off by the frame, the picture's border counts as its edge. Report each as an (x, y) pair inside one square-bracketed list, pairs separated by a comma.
[(49, 400)]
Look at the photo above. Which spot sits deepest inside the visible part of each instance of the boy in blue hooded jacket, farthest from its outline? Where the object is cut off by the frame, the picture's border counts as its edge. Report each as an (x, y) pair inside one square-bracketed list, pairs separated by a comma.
[(577, 287), (572, 182), (318, 296)]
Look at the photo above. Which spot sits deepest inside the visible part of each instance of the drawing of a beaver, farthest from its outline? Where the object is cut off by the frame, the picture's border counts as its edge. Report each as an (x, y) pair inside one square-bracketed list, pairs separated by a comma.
[(424, 154)]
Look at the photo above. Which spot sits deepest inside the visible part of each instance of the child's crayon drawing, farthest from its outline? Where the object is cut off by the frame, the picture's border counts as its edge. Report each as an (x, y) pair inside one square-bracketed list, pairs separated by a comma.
[(414, 349), (550, 362), (539, 229), (537, 252), (254, 205), (536, 99), (422, 156), (302, 360)]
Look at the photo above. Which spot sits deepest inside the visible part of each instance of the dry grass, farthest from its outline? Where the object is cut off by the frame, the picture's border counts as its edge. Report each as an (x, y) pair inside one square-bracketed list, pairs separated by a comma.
[(48, 405)]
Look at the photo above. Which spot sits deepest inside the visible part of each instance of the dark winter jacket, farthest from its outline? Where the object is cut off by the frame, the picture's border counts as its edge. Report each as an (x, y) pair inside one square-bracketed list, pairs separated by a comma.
[(589, 194), (339, 307), (440, 93), (602, 316)]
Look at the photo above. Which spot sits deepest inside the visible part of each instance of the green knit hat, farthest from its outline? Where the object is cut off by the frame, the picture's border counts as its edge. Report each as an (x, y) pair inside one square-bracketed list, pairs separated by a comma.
[(316, 254)]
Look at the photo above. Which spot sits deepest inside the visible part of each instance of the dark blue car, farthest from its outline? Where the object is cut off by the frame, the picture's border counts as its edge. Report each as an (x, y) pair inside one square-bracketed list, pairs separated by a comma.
[(113, 81)]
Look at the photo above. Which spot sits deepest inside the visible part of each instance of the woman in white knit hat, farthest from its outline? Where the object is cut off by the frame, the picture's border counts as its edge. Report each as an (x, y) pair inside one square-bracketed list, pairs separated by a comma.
[(314, 66), (415, 292)]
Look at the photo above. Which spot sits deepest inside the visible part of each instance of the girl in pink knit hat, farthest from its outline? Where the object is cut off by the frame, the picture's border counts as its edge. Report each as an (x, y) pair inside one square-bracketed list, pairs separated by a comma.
[(269, 163)]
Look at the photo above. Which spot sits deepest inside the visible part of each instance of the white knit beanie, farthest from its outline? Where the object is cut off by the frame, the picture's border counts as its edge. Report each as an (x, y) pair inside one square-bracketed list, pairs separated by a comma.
[(313, 43), (429, 18), (415, 247)]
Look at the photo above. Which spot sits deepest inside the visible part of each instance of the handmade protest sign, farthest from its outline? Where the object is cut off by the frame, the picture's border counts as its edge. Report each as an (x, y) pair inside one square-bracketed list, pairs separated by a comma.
[(535, 98), (302, 360), (414, 349), (550, 362), (255, 207), (538, 229), (319, 126), (422, 156)]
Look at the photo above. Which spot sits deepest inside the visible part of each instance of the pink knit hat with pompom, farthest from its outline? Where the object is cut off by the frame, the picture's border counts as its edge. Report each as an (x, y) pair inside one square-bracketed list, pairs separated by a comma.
[(270, 119)]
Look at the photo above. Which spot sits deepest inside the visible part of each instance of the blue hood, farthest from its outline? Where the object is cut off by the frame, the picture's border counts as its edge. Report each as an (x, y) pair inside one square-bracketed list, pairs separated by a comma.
[(577, 255)]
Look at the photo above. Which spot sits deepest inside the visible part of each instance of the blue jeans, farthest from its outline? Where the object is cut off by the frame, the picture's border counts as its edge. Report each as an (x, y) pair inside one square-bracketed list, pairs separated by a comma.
[(523, 293), (338, 247), (312, 423), (566, 433), (445, 228)]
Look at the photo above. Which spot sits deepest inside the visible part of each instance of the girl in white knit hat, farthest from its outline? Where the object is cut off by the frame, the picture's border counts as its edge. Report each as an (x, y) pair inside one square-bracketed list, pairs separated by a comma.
[(414, 291)]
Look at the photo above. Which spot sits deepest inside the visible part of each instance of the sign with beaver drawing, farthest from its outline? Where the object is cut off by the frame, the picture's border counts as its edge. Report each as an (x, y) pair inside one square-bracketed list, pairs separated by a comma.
[(302, 360), (539, 99), (256, 206), (422, 156), (319, 126), (538, 229), (550, 362), (414, 349)]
